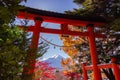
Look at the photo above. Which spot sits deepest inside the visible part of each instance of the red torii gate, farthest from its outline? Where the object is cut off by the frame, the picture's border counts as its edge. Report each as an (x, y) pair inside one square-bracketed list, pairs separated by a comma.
[(45, 16)]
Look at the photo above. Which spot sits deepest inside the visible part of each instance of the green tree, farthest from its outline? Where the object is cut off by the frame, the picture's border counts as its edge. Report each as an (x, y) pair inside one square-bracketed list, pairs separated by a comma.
[(9, 41), (109, 9), (12, 52), (8, 10), (14, 43)]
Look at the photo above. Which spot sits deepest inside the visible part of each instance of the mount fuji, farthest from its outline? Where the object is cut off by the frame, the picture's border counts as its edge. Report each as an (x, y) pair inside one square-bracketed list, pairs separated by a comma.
[(54, 61)]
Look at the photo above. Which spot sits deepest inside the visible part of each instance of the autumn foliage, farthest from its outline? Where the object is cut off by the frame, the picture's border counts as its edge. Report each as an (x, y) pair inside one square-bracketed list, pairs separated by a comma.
[(42, 70), (70, 70), (72, 65)]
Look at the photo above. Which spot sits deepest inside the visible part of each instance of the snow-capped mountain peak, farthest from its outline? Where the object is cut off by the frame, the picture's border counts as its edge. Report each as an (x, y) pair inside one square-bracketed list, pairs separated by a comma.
[(56, 56), (54, 61)]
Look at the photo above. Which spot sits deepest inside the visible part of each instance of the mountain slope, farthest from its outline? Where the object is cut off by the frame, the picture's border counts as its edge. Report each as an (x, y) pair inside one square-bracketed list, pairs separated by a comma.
[(55, 61)]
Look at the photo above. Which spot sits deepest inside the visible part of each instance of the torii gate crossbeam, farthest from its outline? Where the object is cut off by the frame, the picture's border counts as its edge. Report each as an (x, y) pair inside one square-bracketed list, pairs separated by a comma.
[(45, 16)]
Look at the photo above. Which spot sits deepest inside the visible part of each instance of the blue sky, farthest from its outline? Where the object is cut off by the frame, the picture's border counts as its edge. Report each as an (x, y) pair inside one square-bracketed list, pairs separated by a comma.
[(52, 5), (56, 6)]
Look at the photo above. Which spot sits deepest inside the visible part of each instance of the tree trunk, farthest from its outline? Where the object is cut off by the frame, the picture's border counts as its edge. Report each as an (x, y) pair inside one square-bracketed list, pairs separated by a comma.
[(109, 74)]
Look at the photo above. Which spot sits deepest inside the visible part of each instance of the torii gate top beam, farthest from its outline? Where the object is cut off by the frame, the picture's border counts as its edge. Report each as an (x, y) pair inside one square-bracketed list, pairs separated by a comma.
[(60, 18)]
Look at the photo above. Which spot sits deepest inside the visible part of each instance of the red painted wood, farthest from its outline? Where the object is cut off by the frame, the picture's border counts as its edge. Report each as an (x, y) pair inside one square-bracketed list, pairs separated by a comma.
[(104, 66), (112, 65), (34, 45), (93, 53), (99, 66), (116, 69), (61, 31), (24, 15), (89, 67), (64, 28), (84, 71)]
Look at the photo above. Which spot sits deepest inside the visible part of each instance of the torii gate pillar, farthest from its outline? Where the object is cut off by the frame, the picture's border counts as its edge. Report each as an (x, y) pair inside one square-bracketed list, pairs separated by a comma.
[(93, 52), (28, 70)]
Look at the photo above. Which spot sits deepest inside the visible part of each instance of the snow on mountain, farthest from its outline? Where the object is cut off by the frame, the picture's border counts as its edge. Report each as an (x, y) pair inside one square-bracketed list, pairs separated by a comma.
[(54, 61)]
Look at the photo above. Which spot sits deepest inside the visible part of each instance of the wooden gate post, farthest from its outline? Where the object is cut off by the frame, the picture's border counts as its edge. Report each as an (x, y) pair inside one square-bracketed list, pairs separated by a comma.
[(84, 71), (93, 52), (115, 69), (28, 71)]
